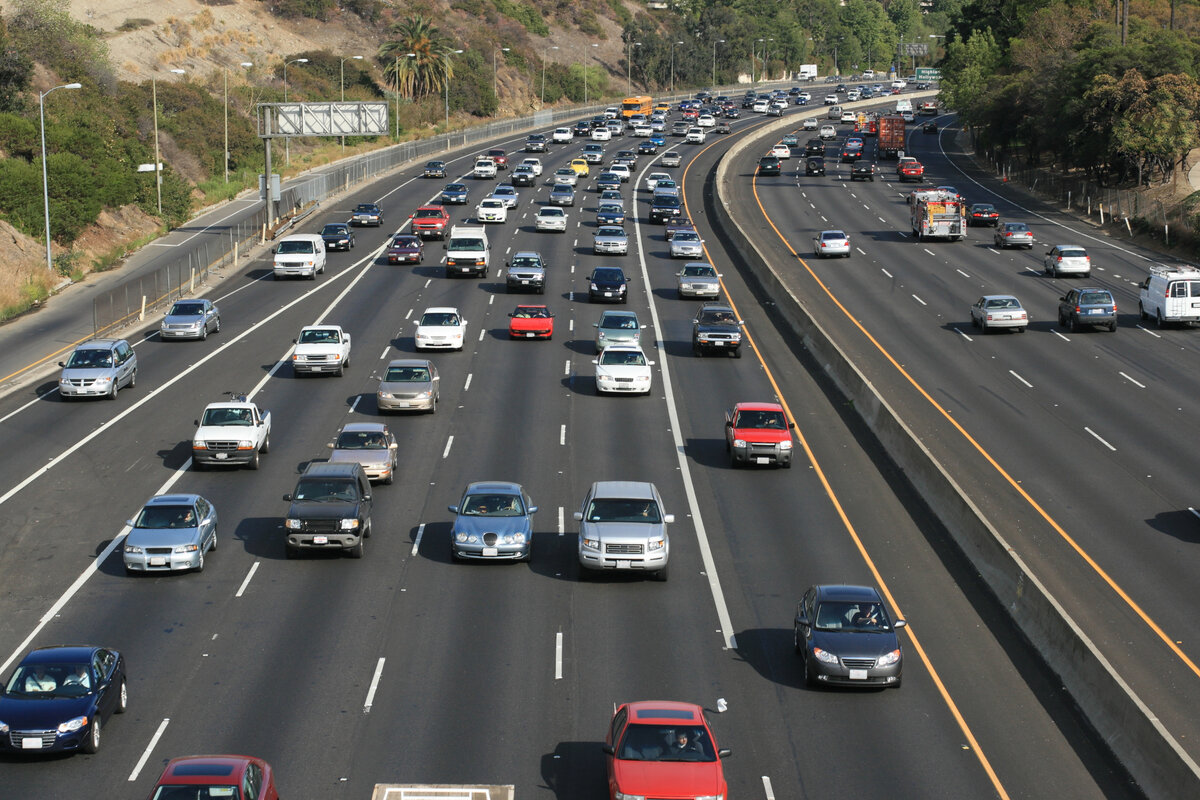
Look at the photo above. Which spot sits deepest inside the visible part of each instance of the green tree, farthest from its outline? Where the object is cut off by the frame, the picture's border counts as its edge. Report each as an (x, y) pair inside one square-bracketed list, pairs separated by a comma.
[(16, 70), (427, 71), (969, 71)]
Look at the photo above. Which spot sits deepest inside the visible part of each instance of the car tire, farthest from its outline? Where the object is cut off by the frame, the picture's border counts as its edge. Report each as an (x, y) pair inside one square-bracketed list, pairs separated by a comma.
[(433, 405), (199, 562), (198, 465), (266, 445), (112, 393), (663, 574), (290, 552), (810, 680), (737, 352), (1158, 319), (91, 745), (786, 464), (122, 698), (341, 370), (1072, 325), (1112, 327), (357, 550), (1020, 329), (391, 478), (1142, 315), (214, 541), (217, 327), (204, 332), (253, 462), (799, 648)]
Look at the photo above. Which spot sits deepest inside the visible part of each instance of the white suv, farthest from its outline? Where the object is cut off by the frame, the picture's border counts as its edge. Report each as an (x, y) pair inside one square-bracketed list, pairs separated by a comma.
[(622, 526), (1067, 259)]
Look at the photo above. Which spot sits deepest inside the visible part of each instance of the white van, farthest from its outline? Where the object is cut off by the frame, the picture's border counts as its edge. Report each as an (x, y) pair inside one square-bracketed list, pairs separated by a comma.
[(1170, 294), (835, 112), (300, 255), (468, 251)]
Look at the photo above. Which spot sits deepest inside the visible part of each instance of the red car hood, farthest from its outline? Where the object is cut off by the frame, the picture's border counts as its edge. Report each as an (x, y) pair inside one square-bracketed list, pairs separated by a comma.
[(762, 434), (669, 779)]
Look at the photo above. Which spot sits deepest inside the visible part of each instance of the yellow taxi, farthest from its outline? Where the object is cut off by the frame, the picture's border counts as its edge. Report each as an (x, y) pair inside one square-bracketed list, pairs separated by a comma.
[(580, 166)]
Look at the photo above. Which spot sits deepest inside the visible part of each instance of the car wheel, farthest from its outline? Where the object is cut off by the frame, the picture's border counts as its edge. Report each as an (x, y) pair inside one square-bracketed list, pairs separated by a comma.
[(357, 550), (341, 370), (433, 405), (1112, 327), (367, 529), (799, 648), (810, 679), (217, 327), (391, 478), (1072, 325), (213, 546), (662, 574), (1158, 319), (200, 561), (737, 352), (112, 393), (122, 699), (91, 744), (1142, 315), (253, 463), (787, 464), (1062, 320), (204, 332), (290, 552), (1020, 329), (266, 445)]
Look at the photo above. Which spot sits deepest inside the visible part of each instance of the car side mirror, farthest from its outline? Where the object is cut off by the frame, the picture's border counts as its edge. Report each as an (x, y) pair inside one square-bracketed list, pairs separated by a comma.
[(724, 752), (295, 341), (899, 624), (802, 620), (287, 498), (607, 749), (577, 516), (1064, 297), (272, 251), (62, 363), (791, 426), (595, 361), (129, 522), (452, 509), (443, 247), (533, 509), (668, 518)]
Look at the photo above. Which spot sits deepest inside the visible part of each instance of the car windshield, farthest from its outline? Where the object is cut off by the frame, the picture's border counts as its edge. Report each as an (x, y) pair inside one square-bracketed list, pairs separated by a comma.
[(1095, 298), (685, 236), (365, 209), (49, 681), (830, 236), (463, 243), (1002, 302), (667, 201), (319, 336), (90, 358), (492, 204), (717, 316), (864, 617), (551, 212), (166, 517), (606, 509), (526, 261), (492, 505), (505, 190), (423, 213), (439, 318), (617, 232), (610, 208), (608, 275), (454, 187), (315, 490), (622, 358), (361, 440), (761, 419), (334, 229), (188, 308), (562, 188), (295, 248), (703, 271), (227, 416), (619, 322), (406, 241), (1072, 253), (407, 375), (531, 312)]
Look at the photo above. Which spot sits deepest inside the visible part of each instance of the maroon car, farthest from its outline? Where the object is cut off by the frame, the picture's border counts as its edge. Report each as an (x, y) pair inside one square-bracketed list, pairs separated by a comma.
[(235, 777), (676, 225), (405, 248)]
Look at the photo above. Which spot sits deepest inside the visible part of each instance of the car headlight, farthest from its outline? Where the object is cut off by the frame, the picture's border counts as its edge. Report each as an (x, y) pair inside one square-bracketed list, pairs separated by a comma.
[(72, 725), (888, 659), (383, 395), (739, 442), (603, 335), (349, 524), (3, 727), (591, 544), (595, 288), (131, 548), (292, 524), (824, 656), (105, 379), (622, 796), (245, 444), (187, 548), (462, 537), (785, 445), (514, 538), (422, 395), (656, 544)]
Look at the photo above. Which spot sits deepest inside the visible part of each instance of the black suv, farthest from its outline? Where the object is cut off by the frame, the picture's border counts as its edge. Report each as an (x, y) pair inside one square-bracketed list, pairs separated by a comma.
[(331, 510), (608, 284), (815, 165), (716, 327), (665, 207), (862, 171), (815, 147), (769, 165)]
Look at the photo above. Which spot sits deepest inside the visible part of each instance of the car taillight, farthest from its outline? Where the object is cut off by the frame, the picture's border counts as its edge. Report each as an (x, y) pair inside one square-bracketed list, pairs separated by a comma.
[(1078, 310), (1008, 233)]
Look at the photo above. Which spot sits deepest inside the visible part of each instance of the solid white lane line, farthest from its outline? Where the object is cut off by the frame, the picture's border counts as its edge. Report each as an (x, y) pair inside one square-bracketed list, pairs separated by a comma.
[(1022, 380), (467, 385), (927, 250), (767, 790), (861, 252), (561, 521), (383, 355), (1100, 439), (558, 644), (417, 541), (1152, 333), (354, 405), (965, 336), (449, 441), (960, 272), (249, 575), (137, 769), (562, 435), (1061, 336), (374, 686), (919, 300), (885, 272), (1131, 380)]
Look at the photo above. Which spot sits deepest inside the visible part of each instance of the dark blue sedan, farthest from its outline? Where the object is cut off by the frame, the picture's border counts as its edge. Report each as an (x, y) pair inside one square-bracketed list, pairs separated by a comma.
[(455, 194), (648, 148), (59, 698)]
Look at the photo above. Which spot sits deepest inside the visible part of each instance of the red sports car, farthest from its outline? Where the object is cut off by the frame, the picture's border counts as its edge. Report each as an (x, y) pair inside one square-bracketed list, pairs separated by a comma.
[(663, 749), (234, 777), (531, 322), (404, 248)]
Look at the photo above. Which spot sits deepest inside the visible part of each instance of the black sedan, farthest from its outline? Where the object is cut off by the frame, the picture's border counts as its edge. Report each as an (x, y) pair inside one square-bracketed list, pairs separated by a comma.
[(845, 637), (435, 169), (983, 214), (337, 236), (367, 214), (647, 148), (59, 698)]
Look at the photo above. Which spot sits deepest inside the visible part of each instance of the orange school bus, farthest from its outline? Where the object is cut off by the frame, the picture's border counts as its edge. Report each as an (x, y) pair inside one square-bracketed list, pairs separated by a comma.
[(640, 104)]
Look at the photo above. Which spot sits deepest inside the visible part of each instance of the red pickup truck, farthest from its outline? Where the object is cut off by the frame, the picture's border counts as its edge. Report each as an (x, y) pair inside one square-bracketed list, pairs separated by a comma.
[(758, 433), (431, 222)]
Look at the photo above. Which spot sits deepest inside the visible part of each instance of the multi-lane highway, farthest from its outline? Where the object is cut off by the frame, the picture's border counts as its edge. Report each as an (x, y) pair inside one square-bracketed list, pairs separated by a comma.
[(407, 667)]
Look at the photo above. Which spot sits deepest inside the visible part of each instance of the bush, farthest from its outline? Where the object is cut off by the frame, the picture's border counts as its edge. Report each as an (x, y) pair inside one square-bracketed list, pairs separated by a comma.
[(368, 10), (527, 15), (133, 24), (313, 9)]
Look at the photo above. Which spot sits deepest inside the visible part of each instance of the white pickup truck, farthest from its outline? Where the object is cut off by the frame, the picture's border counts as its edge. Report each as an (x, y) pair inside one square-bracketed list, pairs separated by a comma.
[(321, 348), (233, 432)]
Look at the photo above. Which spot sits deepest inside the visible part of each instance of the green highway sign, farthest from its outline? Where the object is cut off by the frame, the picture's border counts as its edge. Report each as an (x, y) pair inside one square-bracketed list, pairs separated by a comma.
[(928, 74)]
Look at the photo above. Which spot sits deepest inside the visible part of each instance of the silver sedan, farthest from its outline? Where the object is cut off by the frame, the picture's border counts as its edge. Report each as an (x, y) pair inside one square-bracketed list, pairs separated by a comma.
[(686, 244), (171, 533), (409, 384), (999, 311), (369, 444), (1013, 234), (191, 319), (831, 243), (698, 279)]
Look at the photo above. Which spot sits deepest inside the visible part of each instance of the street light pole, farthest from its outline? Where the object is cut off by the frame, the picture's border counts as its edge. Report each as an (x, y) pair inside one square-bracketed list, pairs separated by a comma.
[(585, 81), (45, 181), (157, 168), (545, 50), (673, 66), (397, 76), (243, 64), (714, 64), (753, 53), (342, 84), (495, 85), (629, 66), (448, 73), (287, 142)]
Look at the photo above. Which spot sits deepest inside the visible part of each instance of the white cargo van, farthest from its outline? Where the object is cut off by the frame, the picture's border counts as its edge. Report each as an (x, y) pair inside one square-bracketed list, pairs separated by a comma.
[(467, 251), (1170, 294), (300, 255), (903, 105)]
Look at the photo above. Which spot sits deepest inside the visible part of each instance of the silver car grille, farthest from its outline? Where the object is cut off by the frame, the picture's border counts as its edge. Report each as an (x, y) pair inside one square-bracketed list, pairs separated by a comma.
[(80, 382), (47, 737), (724, 337), (858, 663), (624, 549), (158, 551), (227, 446)]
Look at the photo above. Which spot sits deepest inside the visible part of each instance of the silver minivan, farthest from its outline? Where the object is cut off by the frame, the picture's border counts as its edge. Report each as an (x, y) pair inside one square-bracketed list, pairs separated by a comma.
[(98, 368), (617, 327)]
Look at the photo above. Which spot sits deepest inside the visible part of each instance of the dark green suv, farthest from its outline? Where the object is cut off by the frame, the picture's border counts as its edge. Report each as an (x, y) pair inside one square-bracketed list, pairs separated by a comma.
[(769, 165)]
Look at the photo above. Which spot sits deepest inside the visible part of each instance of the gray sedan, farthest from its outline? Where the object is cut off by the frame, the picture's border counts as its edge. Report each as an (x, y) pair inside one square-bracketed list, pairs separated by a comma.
[(369, 444), (1013, 234), (698, 279), (686, 244), (611, 240), (494, 520), (409, 384), (999, 311), (191, 319), (171, 534), (562, 195), (831, 243)]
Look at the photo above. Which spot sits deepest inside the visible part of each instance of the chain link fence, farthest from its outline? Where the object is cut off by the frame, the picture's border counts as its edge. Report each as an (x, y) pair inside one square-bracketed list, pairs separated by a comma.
[(219, 246)]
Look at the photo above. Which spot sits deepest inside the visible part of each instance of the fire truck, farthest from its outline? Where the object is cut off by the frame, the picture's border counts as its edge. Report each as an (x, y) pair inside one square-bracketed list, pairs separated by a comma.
[(937, 214)]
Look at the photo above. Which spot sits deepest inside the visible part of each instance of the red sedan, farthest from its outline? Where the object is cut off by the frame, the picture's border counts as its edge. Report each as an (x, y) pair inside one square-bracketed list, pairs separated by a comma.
[(235, 777), (531, 322), (663, 749), (910, 170), (404, 248)]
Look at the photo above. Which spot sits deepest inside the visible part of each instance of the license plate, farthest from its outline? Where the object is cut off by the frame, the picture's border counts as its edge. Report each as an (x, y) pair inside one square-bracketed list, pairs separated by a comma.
[(158, 562), (320, 540), (717, 344), (524, 283), (1095, 310), (608, 294), (222, 456), (858, 674), (624, 564), (762, 460), (491, 551), (530, 335), (31, 743)]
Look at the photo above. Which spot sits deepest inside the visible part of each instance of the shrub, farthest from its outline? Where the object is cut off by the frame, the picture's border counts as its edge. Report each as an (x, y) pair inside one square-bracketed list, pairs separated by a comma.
[(527, 15)]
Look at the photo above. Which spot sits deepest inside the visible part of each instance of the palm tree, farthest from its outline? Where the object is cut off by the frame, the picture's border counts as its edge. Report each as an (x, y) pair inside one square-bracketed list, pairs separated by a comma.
[(428, 70)]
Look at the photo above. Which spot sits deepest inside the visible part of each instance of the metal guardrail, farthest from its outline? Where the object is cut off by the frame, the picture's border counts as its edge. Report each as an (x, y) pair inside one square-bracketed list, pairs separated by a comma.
[(132, 300)]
